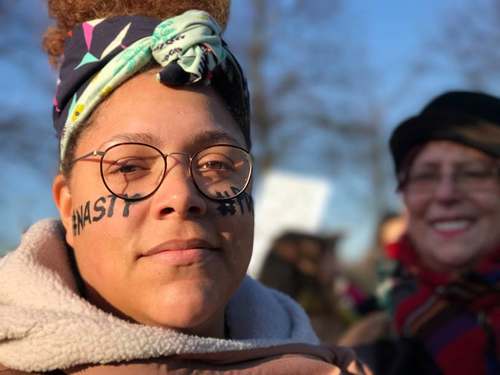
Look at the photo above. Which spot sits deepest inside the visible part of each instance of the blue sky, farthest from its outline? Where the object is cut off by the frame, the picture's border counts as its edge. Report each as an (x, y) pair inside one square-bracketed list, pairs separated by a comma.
[(395, 32), (392, 32)]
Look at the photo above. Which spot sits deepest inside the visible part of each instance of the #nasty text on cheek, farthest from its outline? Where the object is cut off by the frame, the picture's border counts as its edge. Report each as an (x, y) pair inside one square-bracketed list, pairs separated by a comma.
[(228, 207), (102, 207)]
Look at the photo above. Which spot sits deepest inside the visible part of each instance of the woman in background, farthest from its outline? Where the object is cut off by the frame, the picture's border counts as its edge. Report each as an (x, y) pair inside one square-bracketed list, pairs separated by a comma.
[(443, 296), (446, 291)]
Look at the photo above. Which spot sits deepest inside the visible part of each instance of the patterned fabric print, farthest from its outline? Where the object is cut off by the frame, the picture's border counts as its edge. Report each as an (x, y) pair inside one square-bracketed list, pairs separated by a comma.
[(192, 41), (457, 320), (102, 54), (102, 84)]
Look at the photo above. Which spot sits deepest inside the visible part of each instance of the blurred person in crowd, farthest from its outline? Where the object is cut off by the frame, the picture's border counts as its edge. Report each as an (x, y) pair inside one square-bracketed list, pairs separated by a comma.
[(391, 227), (390, 230), (374, 265), (367, 273), (444, 294), (304, 266), (296, 263), (145, 270)]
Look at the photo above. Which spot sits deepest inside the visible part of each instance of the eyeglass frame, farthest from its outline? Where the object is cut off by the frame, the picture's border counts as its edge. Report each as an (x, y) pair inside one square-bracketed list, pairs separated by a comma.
[(164, 174), (404, 180)]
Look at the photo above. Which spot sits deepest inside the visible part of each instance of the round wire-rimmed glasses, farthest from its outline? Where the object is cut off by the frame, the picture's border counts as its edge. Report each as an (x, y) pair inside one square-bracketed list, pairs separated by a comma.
[(134, 171)]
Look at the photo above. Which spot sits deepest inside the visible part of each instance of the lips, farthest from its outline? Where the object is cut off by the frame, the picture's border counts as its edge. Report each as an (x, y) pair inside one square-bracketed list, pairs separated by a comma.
[(181, 253), (180, 245)]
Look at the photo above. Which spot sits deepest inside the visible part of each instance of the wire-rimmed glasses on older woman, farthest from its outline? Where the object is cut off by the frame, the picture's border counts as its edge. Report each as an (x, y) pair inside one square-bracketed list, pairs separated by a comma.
[(469, 178)]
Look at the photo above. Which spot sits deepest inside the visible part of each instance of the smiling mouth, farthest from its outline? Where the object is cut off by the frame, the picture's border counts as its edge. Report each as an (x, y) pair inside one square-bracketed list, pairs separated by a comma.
[(452, 225)]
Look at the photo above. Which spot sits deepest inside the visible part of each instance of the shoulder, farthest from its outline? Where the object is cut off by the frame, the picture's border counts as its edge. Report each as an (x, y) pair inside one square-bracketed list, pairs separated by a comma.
[(317, 359), (284, 359), (375, 326), (299, 364), (7, 371), (299, 359)]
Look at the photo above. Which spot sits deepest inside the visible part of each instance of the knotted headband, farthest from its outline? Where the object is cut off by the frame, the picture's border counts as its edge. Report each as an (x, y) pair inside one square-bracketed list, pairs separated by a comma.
[(102, 54)]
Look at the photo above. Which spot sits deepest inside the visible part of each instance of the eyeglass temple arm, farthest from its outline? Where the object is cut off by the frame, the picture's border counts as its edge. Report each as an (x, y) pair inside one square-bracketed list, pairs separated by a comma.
[(92, 153)]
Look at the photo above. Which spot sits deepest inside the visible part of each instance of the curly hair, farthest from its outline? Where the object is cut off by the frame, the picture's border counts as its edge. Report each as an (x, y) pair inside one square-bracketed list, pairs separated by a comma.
[(68, 13)]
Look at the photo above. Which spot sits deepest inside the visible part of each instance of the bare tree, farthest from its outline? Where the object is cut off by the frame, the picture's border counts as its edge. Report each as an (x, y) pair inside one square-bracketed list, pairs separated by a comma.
[(287, 65), (468, 41), (310, 80)]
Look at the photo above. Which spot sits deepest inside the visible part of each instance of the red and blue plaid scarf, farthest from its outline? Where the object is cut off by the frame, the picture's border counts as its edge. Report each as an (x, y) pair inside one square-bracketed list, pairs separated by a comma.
[(457, 319)]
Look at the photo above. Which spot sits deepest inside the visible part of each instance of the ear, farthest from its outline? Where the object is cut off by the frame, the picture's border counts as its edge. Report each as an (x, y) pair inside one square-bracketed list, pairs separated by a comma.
[(62, 197)]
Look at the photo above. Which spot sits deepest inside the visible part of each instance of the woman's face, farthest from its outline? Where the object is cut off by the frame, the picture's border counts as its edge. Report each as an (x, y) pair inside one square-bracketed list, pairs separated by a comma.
[(453, 202), (175, 258)]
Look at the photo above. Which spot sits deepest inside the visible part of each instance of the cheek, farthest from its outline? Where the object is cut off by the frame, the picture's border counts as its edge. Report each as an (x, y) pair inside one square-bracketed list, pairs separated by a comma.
[(242, 205), (418, 230), (237, 215), (416, 214), (488, 205), (101, 229), (235, 223), (489, 213)]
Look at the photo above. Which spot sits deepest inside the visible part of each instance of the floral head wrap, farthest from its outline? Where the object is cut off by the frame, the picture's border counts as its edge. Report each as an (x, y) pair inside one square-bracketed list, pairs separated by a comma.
[(101, 54)]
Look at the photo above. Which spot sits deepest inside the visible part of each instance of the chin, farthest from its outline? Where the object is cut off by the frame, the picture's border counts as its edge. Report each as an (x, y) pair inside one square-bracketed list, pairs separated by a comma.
[(186, 309), (454, 260), (183, 316)]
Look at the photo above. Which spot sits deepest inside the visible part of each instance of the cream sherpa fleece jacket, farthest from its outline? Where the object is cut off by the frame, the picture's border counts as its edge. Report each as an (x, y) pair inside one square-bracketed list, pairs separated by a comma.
[(45, 325)]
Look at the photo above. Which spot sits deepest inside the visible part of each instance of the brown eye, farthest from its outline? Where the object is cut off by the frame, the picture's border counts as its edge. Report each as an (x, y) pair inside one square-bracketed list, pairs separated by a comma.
[(128, 166), (215, 165)]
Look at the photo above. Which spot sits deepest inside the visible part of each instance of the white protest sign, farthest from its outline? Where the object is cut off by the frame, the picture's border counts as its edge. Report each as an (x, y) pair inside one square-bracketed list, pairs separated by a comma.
[(286, 201)]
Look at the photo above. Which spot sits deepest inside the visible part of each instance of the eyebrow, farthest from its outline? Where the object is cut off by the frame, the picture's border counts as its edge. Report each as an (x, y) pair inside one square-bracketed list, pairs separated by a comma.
[(458, 164), (133, 137), (209, 137), (205, 138)]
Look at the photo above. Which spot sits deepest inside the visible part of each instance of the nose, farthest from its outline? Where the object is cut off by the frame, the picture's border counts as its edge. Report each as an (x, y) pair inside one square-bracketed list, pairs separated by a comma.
[(177, 194), (447, 190)]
